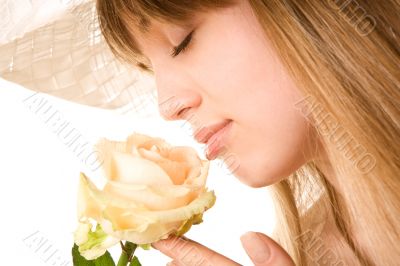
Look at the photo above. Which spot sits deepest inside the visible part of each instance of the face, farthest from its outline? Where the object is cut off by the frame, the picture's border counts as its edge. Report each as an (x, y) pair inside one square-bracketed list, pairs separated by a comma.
[(229, 77)]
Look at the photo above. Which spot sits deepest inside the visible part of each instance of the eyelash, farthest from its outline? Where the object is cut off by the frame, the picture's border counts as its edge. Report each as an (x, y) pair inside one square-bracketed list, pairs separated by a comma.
[(183, 45)]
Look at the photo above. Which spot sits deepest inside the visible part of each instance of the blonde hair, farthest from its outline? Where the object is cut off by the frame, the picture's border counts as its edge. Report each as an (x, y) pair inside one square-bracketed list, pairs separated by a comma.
[(344, 56)]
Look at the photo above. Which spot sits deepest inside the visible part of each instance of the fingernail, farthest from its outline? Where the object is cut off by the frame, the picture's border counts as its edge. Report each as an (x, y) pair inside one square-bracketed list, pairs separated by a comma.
[(255, 247)]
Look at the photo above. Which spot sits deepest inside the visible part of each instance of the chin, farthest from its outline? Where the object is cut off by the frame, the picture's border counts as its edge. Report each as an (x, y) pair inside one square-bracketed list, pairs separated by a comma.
[(261, 176), (257, 173), (254, 179)]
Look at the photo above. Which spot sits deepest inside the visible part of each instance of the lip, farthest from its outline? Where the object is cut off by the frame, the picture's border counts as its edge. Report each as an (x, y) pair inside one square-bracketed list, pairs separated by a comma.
[(214, 137)]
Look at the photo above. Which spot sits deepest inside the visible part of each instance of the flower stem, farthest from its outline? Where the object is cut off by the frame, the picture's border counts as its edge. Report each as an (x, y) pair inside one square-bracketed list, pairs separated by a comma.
[(127, 253)]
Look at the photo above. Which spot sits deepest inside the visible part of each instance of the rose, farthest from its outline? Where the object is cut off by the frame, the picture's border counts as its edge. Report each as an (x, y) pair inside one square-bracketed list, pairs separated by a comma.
[(153, 190)]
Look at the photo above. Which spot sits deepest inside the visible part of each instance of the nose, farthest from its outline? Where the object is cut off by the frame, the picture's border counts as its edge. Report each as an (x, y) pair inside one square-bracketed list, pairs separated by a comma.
[(176, 95)]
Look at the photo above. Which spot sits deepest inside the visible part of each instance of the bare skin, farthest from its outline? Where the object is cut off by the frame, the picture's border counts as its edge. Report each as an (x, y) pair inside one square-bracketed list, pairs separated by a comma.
[(229, 71), (262, 250)]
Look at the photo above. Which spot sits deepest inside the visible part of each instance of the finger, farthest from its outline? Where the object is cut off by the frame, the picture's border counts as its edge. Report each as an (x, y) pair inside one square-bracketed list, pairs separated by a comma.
[(189, 252), (264, 251), (177, 263)]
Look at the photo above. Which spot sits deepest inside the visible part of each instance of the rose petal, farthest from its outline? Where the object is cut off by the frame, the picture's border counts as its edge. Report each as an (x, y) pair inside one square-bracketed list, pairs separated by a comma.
[(87, 205), (81, 233), (154, 197), (92, 201), (126, 219), (198, 176), (176, 170), (205, 201), (165, 222), (153, 233), (184, 154), (143, 141), (105, 148), (133, 170)]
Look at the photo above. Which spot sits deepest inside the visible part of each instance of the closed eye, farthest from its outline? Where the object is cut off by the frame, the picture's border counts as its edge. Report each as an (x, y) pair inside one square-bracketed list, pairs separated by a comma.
[(183, 45)]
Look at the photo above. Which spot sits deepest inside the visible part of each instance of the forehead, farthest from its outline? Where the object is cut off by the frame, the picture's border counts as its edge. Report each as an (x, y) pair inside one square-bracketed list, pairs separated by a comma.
[(145, 29), (146, 25)]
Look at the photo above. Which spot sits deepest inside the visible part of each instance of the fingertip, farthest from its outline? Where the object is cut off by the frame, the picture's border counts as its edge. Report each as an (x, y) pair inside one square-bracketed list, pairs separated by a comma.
[(247, 236), (256, 248), (159, 244), (165, 243)]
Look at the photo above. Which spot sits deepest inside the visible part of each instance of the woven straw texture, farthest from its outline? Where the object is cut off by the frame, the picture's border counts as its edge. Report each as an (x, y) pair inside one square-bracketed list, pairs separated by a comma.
[(68, 58)]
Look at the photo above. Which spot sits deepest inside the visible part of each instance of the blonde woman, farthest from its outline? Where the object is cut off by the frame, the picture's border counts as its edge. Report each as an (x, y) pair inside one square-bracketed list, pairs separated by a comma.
[(299, 96), (304, 94)]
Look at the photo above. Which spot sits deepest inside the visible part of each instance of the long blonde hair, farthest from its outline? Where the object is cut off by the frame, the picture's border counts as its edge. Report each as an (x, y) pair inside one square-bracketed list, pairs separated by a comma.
[(344, 56)]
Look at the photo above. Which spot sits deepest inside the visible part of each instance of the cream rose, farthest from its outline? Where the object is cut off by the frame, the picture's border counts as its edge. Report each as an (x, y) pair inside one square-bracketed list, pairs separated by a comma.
[(153, 190)]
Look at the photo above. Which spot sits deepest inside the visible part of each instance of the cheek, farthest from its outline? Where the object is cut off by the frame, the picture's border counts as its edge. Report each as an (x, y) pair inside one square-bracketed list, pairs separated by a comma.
[(243, 79), (270, 133), (269, 146)]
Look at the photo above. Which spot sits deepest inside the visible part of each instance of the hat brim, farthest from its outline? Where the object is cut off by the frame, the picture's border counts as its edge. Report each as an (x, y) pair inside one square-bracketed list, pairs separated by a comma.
[(69, 58)]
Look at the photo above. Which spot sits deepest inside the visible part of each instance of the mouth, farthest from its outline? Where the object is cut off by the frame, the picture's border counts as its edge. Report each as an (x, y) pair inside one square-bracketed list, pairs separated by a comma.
[(214, 137)]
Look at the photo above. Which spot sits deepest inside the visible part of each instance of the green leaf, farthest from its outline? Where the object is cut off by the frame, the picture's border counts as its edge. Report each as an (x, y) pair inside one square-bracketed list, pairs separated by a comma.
[(78, 260), (105, 260), (135, 262)]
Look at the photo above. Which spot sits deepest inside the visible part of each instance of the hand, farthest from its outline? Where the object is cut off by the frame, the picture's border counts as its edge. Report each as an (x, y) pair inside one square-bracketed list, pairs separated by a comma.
[(262, 250)]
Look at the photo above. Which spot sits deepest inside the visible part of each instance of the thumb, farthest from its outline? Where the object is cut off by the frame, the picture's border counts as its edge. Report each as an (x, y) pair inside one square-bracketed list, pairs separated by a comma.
[(264, 251)]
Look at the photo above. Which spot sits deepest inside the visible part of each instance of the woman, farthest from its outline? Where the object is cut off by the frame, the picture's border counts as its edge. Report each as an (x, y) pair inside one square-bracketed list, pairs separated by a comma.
[(307, 94)]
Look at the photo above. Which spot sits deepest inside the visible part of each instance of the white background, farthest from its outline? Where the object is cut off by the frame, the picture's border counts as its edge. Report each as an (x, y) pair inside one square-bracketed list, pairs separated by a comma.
[(40, 178)]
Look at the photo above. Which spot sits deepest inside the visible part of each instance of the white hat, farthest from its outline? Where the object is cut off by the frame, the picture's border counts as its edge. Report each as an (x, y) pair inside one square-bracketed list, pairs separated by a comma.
[(56, 47)]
